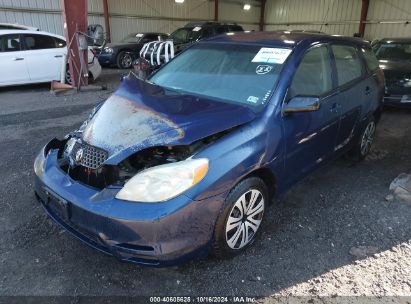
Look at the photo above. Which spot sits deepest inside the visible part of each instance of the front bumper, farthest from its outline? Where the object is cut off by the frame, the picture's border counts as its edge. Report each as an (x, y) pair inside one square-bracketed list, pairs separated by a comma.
[(156, 234), (106, 59)]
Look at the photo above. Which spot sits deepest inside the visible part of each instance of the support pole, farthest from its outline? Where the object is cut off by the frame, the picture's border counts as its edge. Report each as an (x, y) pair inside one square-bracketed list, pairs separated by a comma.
[(107, 20), (364, 11), (215, 10), (75, 19), (262, 15)]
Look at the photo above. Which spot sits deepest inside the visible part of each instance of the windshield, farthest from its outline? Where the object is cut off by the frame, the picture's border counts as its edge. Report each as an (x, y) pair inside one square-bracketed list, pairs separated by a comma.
[(232, 73), (133, 38), (393, 51), (186, 34)]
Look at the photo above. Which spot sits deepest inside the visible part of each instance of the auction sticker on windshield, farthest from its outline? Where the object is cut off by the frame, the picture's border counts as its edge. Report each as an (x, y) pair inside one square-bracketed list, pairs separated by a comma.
[(272, 55)]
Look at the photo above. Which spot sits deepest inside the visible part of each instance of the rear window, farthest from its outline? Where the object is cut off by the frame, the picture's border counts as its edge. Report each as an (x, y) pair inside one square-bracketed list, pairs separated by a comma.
[(349, 65), (186, 34)]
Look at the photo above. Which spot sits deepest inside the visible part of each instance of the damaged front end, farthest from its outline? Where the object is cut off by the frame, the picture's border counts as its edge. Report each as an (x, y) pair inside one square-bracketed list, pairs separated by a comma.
[(142, 146), (142, 126), (86, 164)]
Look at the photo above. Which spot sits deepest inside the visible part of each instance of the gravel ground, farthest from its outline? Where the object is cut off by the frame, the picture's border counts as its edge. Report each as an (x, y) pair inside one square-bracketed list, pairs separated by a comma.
[(332, 235)]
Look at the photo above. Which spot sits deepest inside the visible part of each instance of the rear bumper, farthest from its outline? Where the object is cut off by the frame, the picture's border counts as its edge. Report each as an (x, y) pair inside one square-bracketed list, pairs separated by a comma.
[(95, 69), (155, 234)]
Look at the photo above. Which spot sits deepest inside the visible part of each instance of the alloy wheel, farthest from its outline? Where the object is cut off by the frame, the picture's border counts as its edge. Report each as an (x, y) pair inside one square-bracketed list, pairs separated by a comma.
[(68, 77), (367, 138), (126, 60), (244, 219)]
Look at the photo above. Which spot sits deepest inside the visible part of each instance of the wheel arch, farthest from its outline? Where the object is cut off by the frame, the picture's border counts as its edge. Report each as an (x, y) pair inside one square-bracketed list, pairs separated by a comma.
[(268, 177)]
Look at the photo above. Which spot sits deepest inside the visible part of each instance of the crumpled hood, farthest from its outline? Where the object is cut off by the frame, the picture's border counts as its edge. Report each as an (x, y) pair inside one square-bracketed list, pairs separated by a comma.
[(141, 115)]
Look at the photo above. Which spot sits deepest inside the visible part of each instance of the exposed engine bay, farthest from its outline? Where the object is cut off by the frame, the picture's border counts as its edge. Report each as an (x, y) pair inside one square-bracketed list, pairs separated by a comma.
[(85, 163)]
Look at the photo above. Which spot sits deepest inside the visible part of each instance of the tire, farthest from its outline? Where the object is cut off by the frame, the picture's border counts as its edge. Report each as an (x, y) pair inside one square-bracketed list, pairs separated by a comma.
[(365, 140), (124, 60), (69, 80), (232, 237)]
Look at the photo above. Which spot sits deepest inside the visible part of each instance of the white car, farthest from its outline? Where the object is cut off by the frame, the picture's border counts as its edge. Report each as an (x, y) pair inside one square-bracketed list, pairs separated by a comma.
[(33, 56)]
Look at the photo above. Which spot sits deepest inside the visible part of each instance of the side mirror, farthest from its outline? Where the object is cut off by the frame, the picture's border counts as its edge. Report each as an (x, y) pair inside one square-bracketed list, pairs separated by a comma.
[(302, 104)]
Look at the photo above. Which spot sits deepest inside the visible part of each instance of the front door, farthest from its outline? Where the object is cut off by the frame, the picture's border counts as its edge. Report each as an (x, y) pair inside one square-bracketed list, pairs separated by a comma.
[(13, 69), (44, 58), (311, 136)]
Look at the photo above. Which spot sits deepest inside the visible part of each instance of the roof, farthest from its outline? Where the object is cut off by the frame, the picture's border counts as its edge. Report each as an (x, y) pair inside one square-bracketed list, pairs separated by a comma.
[(398, 39), (18, 26), (208, 23), (282, 38), (201, 23), (6, 32)]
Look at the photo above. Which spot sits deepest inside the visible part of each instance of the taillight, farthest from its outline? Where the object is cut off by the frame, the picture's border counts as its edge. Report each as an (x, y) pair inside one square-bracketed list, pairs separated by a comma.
[(94, 52)]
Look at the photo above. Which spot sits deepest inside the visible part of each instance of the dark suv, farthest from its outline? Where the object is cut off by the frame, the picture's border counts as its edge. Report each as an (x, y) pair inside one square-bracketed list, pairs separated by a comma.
[(195, 31), (394, 55)]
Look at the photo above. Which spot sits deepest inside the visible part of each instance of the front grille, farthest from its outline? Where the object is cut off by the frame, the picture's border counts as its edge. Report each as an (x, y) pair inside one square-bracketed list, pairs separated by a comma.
[(88, 156)]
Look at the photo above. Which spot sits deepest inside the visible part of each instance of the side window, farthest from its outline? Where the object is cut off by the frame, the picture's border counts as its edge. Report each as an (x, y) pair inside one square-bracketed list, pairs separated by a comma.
[(370, 59), (10, 43), (349, 65), (220, 30), (313, 75), (39, 42), (149, 37), (207, 32), (235, 28)]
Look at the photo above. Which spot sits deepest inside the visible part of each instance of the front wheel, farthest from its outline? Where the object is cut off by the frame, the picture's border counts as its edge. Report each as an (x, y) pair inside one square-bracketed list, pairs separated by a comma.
[(363, 146), (240, 218), (124, 60)]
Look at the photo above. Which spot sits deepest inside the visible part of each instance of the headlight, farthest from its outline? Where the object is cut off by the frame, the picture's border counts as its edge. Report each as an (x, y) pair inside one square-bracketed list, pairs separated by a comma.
[(164, 182), (39, 164), (108, 50)]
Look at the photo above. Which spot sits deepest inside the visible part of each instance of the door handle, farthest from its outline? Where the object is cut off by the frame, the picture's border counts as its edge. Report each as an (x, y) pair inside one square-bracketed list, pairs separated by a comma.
[(367, 91), (18, 58), (58, 56)]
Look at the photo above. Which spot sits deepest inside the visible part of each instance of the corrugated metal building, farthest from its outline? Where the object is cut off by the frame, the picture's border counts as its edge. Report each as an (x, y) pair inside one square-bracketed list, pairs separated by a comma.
[(386, 18), (129, 15)]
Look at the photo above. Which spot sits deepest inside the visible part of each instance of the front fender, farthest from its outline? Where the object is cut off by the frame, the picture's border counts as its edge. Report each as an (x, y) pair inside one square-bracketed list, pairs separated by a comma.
[(235, 156)]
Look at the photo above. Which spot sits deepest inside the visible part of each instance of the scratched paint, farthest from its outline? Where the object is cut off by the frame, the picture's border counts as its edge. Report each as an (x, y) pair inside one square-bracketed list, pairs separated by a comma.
[(122, 123)]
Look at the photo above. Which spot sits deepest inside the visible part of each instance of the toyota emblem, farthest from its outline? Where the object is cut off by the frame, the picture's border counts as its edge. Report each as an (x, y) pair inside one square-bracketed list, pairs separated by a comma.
[(79, 155)]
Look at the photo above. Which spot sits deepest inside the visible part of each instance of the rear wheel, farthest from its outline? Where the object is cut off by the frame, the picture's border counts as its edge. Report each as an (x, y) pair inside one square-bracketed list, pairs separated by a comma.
[(69, 79), (363, 146), (124, 60), (240, 219)]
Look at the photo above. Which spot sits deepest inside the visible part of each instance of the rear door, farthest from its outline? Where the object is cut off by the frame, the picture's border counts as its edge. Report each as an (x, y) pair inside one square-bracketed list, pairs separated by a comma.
[(12, 60), (353, 89), (375, 80), (44, 57), (310, 136)]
